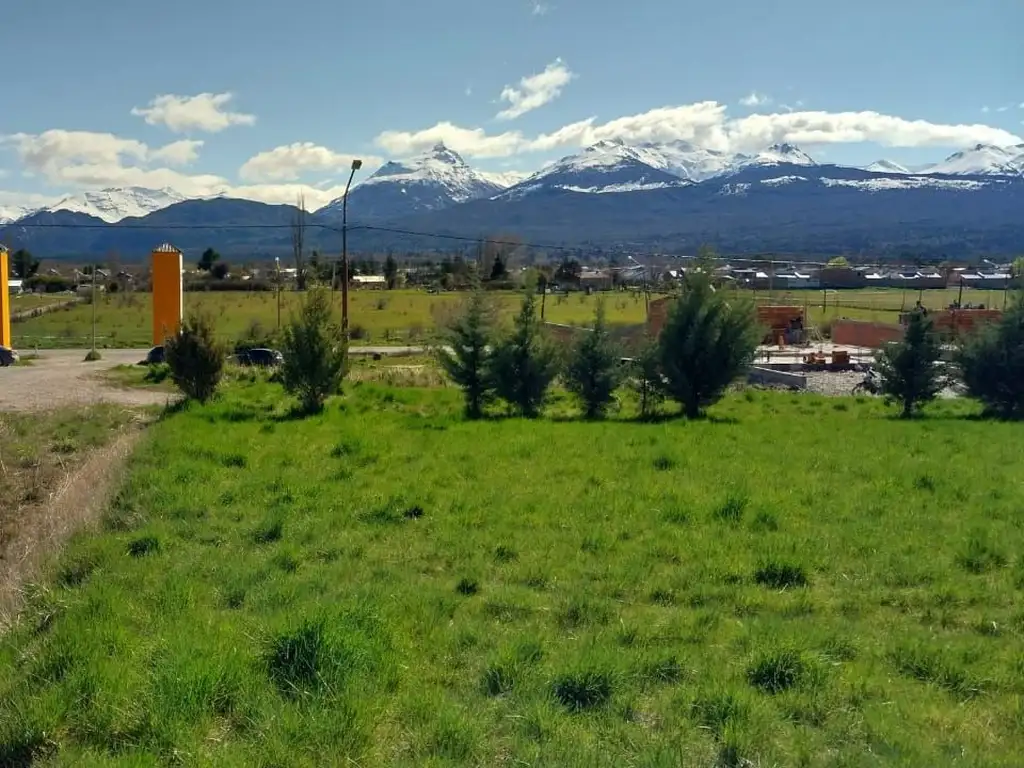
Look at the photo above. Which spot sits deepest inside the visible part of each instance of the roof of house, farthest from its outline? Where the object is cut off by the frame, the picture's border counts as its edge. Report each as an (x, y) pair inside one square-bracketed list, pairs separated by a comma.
[(369, 279)]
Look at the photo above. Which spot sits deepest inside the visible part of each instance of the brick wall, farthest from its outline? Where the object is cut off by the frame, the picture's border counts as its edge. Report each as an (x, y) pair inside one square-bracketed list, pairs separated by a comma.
[(857, 333)]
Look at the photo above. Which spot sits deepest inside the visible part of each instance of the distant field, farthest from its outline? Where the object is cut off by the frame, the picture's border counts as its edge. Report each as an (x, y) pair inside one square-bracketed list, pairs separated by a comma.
[(376, 317), (404, 316), (795, 581)]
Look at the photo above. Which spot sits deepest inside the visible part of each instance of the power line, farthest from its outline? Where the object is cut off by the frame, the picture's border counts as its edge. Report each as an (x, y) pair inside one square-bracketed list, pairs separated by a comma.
[(577, 249)]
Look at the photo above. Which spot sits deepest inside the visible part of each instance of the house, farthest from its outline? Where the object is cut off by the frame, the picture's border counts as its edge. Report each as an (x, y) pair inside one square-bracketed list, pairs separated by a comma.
[(369, 281), (14, 287), (795, 279), (595, 280), (987, 281)]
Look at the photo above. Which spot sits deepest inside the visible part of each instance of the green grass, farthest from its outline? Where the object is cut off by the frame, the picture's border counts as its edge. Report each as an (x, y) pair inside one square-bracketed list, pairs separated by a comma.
[(785, 582), (376, 317), (410, 316)]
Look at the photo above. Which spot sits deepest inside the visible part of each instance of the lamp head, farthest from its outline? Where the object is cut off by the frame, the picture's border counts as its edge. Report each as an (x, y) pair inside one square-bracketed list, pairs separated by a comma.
[(357, 164)]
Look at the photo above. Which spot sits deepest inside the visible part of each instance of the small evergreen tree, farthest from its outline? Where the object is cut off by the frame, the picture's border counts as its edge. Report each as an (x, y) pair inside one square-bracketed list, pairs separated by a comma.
[(705, 345), (647, 379), (24, 264), (992, 364), (391, 272), (908, 370), (315, 352), (208, 259), (592, 373), (525, 363), (467, 361), (195, 358)]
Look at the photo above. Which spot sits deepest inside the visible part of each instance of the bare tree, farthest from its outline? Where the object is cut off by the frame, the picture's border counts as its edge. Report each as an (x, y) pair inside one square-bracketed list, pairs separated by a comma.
[(299, 242)]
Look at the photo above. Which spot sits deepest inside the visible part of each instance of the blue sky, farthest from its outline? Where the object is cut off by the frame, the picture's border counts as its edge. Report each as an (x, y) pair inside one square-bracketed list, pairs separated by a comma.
[(263, 98)]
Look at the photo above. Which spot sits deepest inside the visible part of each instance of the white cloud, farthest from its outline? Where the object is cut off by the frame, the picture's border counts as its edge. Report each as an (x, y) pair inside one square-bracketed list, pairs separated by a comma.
[(986, 110), (534, 91), (755, 99), (204, 112), (1004, 108), (471, 142), (177, 152), (707, 124), (85, 158), (290, 162), (539, 9)]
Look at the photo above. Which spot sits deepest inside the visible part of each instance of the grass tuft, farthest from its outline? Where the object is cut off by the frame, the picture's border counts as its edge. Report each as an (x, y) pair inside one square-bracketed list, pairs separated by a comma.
[(584, 689), (778, 671), (143, 546), (781, 575)]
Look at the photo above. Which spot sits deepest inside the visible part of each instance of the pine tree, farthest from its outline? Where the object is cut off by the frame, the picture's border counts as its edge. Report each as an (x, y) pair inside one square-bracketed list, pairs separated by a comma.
[(467, 360), (706, 344), (992, 364), (315, 352), (525, 363), (593, 370), (908, 369)]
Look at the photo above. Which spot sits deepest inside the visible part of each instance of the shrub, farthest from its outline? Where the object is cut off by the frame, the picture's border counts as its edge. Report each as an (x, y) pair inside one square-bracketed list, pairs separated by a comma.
[(992, 364), (315, 352), (525, 363), (196, 358), (593, 370), (909, 369), (468, 361), (707, 342)]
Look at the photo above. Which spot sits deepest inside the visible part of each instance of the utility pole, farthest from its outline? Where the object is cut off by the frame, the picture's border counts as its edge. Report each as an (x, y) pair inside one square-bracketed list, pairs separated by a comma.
[(277, 261), (93, 309), (356, 165)]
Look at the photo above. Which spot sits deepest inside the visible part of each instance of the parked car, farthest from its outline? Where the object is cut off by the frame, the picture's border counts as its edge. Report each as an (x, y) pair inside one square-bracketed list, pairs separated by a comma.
[(155, 356), (267, 358), (8, 356)]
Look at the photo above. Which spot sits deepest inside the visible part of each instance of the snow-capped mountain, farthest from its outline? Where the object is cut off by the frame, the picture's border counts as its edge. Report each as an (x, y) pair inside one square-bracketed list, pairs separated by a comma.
[(607, 166), (116, 203), (982, 160), (887, 166), (9, 213), (504, 179), (686, 160), (776, 154), (433, 180)]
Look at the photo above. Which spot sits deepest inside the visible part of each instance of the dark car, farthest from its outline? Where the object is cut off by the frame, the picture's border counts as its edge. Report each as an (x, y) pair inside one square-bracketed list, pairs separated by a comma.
[(267, 358), (154, 357), (7, 356)]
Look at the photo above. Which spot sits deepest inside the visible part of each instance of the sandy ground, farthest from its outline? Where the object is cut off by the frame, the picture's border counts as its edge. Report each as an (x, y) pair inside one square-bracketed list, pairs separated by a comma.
[(59, 378)]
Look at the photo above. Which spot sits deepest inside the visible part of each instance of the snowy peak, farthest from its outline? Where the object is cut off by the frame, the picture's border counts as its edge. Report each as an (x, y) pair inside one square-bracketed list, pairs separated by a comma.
[(982, 160), (887, 166), (503, 179), (11, 213), (780, 154), (116, 203), (439, 166), (685, 160)]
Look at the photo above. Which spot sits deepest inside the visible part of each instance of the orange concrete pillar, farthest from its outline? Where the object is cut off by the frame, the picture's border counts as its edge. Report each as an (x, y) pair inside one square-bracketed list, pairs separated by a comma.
[(5, 300), (167, 292)]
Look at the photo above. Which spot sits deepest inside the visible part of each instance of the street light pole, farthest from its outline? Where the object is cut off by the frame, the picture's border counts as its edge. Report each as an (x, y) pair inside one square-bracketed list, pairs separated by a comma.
[(356, 165)]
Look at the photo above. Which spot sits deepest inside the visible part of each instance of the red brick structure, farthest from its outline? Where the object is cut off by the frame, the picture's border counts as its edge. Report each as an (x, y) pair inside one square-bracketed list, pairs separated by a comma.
[(857, 333)]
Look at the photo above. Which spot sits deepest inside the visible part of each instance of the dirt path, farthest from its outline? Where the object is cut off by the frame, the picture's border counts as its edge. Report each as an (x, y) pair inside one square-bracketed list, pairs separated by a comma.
[(59, 378), (44, 528)]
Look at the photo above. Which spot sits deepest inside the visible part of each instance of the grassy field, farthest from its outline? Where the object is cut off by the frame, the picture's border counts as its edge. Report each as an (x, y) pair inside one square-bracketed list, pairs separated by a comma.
[(794, 581), (408, 316)]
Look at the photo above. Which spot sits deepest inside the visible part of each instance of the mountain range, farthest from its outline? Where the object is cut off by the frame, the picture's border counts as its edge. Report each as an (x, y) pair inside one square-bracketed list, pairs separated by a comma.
[(670, 196)]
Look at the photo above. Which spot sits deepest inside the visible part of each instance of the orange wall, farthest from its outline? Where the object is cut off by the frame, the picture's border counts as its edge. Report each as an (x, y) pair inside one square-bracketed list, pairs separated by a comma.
[(5, 301), (855, 333), (167, 298)]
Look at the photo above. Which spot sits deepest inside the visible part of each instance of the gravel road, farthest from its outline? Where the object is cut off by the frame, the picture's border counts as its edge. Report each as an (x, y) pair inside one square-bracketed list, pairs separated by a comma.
[(59, 378)]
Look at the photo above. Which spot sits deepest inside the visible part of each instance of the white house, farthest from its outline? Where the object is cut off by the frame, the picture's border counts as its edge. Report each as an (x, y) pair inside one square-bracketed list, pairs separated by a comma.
[(14, 287)]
